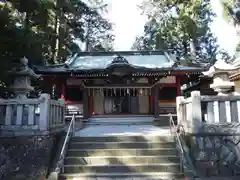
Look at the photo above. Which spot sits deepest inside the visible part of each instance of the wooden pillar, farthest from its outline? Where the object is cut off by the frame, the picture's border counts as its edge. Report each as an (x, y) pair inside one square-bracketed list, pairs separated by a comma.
[(91, 105), (156, 101), (150, 104), (63, 91), (178, 85), (85, 104), (152, 100)]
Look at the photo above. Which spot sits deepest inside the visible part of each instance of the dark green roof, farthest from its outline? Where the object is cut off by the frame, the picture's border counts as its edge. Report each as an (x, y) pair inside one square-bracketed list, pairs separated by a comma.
[(100, 61)]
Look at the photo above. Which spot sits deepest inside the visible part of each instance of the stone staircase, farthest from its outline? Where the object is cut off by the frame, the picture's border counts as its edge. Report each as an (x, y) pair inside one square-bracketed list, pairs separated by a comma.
[(122, 157), (120, 120)]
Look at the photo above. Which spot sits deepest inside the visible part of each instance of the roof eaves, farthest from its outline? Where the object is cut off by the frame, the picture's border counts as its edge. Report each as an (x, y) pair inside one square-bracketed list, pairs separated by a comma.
[(235, 76)]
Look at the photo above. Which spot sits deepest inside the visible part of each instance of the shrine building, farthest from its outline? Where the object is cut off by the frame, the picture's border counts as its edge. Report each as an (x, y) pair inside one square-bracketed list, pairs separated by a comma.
[(118, 83)]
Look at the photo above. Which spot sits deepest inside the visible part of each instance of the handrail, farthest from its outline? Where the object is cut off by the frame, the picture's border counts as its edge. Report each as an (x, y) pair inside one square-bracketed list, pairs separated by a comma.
[(60, 162), (185, 159), (71, 125)]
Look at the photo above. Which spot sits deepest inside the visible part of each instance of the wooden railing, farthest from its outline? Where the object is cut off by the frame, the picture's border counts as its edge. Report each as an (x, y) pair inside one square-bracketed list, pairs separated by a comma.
[(40, 114), (197, 110)]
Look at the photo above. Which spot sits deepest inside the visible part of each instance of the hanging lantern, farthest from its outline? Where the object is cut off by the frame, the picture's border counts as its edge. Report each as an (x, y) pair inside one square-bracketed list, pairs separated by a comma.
[(140, 92), (128, 91), (53, 90)]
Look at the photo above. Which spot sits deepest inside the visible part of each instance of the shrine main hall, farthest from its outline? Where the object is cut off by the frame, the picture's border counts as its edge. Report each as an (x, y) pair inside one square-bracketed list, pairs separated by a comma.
[(118, 83)]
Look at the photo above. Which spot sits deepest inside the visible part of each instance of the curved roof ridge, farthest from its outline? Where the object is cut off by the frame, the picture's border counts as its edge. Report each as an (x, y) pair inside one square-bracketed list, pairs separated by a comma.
[(139, 60), (111, 53)]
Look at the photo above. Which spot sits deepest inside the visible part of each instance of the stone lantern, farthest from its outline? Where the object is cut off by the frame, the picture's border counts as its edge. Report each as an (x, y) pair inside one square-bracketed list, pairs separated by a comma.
[(220, 73), (22, 76)]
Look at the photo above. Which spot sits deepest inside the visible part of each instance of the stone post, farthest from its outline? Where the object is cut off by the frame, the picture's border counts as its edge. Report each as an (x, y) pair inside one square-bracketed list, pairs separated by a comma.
[(44, 112), (196, 111), (179, 100)]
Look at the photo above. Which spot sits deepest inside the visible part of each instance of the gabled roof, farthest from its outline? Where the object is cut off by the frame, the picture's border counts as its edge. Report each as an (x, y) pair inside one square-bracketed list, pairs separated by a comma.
[(101, 61)]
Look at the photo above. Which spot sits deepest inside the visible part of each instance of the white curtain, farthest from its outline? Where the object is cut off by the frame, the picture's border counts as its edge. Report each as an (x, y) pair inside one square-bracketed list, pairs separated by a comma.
[(108, 105)]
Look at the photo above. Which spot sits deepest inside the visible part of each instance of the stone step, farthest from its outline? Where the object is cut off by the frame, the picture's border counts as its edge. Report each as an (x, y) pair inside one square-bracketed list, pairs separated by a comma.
[(121, 152), (161, 122), (120, 145), (106, 160), (123, 176), (167, 138), (109, 123), (122, 119), (122, 168)]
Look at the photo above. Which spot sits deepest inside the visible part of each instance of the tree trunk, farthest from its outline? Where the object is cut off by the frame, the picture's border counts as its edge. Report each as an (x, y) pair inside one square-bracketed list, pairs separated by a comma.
[(193, 49), (87, 47), (55, 49), (160, 44), (26, 33), (185, 47)]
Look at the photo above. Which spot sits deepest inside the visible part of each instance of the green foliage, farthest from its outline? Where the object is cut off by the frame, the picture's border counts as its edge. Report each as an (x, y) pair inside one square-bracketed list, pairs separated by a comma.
[(180, 26), (226, 5), (44, 30)]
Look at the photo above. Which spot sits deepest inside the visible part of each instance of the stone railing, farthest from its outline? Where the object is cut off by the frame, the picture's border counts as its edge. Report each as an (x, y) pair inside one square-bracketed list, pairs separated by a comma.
[(197, 111), (24, 116), (212, 132)]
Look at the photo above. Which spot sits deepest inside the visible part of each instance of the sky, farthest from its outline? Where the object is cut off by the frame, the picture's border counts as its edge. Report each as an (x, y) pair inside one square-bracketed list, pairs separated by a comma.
[(226, 34), (129, 23)]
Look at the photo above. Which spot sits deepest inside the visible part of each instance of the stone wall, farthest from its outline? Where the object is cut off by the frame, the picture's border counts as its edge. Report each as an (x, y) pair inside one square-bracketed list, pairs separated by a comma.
[(26, 157), (216, 150)]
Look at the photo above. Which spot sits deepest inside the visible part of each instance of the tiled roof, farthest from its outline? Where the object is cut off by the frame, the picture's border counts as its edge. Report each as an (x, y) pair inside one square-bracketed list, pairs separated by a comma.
[(102, 62), (155, 60)]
